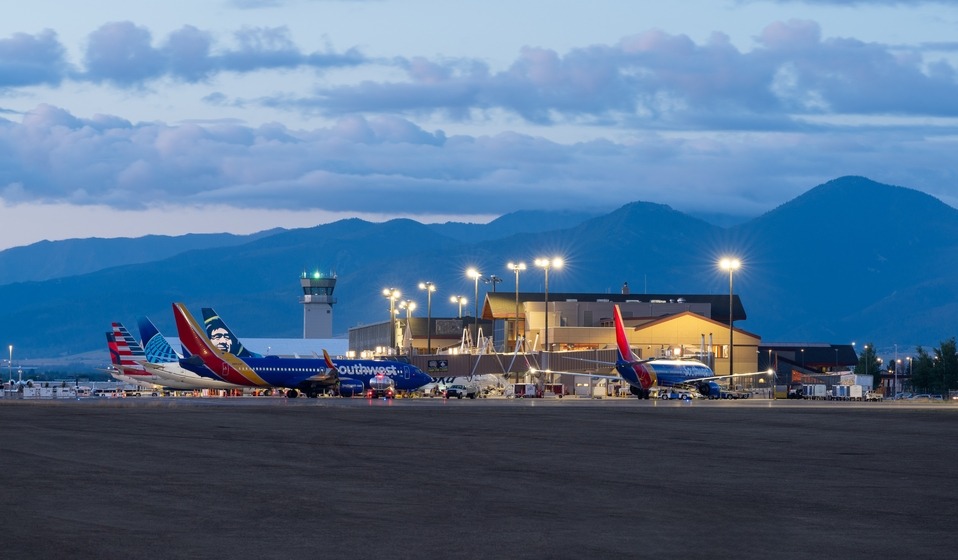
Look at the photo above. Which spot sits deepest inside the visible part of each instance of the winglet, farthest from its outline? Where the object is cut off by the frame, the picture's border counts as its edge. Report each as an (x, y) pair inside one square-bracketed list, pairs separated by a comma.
[(329, 361)]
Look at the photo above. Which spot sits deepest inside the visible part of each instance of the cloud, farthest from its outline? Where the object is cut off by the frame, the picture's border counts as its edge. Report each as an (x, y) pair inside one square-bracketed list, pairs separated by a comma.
[(699, 125), (121, 53), (32, 59), (391, 166), (651, 79), (125, 55), (853, 3), (662, 80)]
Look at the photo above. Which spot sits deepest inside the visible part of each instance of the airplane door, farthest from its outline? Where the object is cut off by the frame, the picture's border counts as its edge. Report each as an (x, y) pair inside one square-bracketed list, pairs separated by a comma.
[(405, 372), (225, 374)]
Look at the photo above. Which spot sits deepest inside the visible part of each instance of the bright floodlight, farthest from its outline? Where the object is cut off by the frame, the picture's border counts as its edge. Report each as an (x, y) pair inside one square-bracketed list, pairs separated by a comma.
[(554, 262), (730, 264)]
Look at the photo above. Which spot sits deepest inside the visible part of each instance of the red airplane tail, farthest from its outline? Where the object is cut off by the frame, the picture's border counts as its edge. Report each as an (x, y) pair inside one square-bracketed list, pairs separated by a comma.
[(629, 367)]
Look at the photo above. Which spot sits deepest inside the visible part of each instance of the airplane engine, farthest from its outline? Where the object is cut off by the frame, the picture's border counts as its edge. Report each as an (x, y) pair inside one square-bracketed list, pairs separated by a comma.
[(350, 387), (710, 389)]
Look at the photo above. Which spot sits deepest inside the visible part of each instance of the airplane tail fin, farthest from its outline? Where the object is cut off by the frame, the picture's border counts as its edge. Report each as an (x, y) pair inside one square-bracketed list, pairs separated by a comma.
[(156, 348), (213, 322), (192, 335), (225, 365), (329, 361), (114, 351), (628, 365), (621, 340), (129, 353)]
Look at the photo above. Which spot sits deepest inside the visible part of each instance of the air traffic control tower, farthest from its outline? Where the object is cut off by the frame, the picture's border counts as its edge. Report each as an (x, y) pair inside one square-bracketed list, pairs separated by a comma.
[(318, 303)]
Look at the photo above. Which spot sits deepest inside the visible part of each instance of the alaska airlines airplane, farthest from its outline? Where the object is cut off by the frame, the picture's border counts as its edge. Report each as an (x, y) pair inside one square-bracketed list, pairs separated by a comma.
[(307, 375), (643, 375), (222, 337), (162, 361)]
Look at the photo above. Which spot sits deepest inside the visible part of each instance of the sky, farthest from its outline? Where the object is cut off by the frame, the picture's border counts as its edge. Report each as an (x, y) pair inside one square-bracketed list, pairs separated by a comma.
[(123, 118)]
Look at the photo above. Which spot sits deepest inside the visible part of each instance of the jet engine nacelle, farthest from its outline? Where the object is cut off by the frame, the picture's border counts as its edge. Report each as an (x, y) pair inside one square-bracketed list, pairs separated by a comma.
[(710, 389), (350, 387)]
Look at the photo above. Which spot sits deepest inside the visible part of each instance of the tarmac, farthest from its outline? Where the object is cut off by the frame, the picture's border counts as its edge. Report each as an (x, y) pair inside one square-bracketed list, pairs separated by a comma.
[(491, 478)]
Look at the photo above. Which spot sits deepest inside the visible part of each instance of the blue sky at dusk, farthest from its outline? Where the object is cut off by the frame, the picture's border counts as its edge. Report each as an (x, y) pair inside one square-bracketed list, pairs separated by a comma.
[(123, 118)]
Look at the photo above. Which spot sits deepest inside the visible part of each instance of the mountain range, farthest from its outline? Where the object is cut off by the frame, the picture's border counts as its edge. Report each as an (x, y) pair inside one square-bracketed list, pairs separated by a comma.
[(849, 260)]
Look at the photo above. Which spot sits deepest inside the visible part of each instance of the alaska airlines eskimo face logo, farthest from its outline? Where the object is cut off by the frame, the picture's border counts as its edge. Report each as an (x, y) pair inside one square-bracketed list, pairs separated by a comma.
[(364, 369)]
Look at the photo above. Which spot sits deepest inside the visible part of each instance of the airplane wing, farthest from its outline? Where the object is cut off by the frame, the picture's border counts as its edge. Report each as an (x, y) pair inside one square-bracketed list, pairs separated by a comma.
[(578, 374), (689, 384), (610, 364), (726, 376)]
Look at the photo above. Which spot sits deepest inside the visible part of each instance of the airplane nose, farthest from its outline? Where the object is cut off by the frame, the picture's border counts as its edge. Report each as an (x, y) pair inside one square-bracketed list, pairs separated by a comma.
[(422, 377)]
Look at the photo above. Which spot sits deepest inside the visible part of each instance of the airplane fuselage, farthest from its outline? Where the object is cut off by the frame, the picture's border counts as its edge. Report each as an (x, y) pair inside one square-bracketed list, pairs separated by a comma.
[(177, 377), (307, 374)]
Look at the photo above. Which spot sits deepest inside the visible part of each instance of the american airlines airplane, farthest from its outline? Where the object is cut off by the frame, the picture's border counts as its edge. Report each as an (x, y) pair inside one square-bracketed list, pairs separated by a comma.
[(126, 357)]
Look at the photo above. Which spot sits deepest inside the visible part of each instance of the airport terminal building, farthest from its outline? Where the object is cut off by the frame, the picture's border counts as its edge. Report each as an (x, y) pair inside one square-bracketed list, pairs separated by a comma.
[(579, 326)]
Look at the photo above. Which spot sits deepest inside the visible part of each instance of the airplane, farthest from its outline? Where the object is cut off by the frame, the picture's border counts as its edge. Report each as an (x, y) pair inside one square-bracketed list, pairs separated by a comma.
[(307, 375), (222, 337), (126, 356), (643, 375), (483, 382), (180, 373)]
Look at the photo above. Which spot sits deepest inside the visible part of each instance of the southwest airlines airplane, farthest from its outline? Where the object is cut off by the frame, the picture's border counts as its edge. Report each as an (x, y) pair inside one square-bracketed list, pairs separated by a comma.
[(307, 375), (643, 375)]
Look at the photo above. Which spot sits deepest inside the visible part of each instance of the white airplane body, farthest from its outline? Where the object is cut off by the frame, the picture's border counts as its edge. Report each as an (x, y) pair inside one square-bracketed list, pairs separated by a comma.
[(485, 382)]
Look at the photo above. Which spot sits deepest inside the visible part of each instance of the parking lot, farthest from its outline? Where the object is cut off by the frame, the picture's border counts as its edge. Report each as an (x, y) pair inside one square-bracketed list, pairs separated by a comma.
[(529, 478)]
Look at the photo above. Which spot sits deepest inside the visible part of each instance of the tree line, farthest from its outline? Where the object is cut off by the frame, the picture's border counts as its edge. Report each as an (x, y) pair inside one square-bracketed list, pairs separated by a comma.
[(934, 371)]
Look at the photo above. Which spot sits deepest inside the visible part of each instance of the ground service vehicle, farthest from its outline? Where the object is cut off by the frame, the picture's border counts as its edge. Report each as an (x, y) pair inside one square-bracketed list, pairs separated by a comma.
[(381, 386), (459, 391)]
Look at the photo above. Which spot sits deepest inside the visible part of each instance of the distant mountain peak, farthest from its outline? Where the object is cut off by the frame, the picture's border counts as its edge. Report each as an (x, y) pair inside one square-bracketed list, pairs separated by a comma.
[(858, 201)]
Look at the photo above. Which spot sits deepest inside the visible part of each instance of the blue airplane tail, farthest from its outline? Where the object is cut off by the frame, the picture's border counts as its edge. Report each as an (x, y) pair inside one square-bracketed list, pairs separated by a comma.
[(156, 348), (216, 329)]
